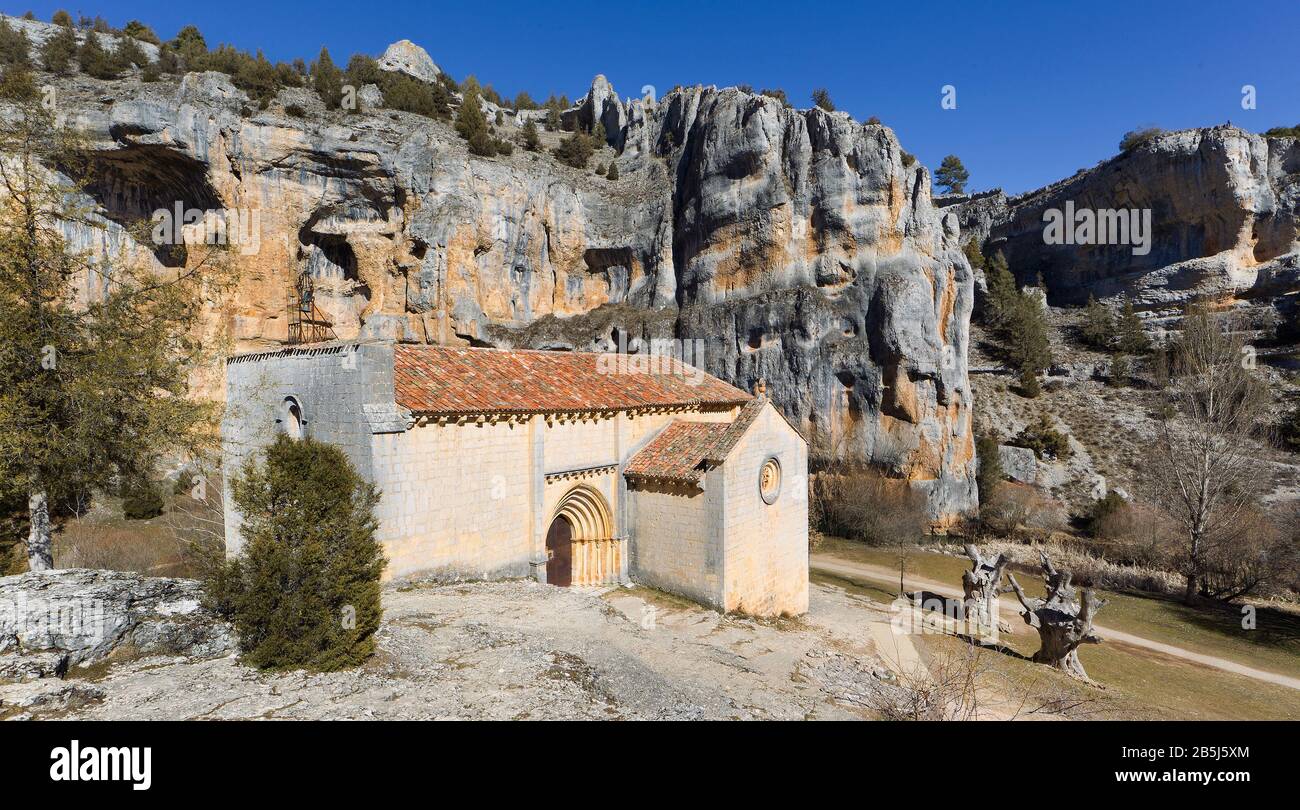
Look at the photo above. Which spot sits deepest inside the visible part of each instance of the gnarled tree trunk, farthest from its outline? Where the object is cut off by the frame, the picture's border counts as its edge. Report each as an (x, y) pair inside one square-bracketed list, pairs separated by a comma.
[(39, 555), (982, 586), (1063, 624)]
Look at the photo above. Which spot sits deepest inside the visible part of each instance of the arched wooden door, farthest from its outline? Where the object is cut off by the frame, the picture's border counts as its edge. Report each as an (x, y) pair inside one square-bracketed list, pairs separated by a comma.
[(559, 553)]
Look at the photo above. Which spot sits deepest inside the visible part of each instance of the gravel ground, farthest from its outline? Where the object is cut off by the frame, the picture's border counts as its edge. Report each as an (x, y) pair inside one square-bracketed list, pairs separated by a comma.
[(519, 650)]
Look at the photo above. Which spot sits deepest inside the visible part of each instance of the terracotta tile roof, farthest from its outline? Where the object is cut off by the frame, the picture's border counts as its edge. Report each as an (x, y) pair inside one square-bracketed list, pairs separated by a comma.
[(718, 452), (453, 380), (678, 452), (683, 450)]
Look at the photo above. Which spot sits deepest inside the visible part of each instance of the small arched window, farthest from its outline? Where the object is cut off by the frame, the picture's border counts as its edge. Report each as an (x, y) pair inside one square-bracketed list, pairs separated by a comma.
[(291, 418)]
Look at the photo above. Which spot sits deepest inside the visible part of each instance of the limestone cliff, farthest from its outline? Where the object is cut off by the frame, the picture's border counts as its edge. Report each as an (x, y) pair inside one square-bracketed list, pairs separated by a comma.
[(796, 244), (1225, 216)]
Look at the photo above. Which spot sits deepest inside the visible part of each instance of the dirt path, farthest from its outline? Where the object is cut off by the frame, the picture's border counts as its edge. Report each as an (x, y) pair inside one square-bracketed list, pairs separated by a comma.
[(836, 565)]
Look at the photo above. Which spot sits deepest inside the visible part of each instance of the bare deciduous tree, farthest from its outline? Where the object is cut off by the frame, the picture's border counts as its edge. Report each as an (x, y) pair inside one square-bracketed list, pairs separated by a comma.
[(1204, 472), (948, 688)]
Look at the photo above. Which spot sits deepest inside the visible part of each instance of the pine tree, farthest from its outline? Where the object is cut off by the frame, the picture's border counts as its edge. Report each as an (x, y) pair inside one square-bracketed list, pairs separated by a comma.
[(258, 78), (575, 150), (553, 109), (138, 30), (129, 52), (441, 100), (1131, 338), (1119, 370), (470, 87), (167, 62), (821, 97), (532, 141), (988, 472), (327, 80), (973, 254), (92, 392), (190, 45), (1018, 324), (95, 61), (952, 175), (59, 51), (17, 84), (612, 174), (1002, 291), (14, 47), (305, 592), (472, 126), (363, 70), (1098, 327)]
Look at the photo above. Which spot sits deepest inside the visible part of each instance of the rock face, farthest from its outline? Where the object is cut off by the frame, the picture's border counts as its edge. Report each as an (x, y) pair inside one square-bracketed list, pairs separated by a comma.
[(792, 246), (1224, 222), (53, 620), (977, 214), (600, 105), (404, 56)]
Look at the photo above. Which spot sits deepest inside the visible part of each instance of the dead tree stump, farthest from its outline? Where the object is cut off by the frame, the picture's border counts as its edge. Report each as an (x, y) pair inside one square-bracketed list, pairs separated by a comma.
[(982, 585), (1063, 623)]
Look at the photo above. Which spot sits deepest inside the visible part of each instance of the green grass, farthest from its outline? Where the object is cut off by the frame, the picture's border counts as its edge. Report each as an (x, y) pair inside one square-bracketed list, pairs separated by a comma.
[(1274, 646), (1136, 685)]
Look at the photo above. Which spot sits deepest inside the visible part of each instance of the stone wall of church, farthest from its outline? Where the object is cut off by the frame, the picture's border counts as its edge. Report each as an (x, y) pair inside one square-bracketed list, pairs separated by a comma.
[(576, 444), (675, 544), (765, 546), (331, 384), (457, 499)]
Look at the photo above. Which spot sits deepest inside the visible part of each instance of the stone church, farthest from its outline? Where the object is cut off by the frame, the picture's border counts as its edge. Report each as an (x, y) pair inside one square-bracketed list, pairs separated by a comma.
[(570, 467)]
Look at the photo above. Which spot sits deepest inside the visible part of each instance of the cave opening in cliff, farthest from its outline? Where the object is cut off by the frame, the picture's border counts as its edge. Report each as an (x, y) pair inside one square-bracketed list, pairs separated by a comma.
[(329, 255), (332, 261), (130, 184)]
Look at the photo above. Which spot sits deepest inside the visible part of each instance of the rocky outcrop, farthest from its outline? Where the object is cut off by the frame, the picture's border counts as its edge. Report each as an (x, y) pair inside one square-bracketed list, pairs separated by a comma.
[(977, 214), (1223, 209), (37, 32), (404, 56), (600, 105), (54, 620), (794, 245)]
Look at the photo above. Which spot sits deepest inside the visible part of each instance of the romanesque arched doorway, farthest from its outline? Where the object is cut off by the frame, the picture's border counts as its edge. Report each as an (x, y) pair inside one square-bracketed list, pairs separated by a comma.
[(580, 545)]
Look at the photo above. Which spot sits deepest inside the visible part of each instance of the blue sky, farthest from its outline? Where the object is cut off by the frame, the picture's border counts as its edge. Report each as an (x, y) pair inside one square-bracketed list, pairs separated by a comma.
[(1043, 89)]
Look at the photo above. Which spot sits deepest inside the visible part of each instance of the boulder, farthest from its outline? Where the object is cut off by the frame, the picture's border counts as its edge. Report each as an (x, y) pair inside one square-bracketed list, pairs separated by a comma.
[(370, 96), (404, 56), (53, 620), (1018, 463)]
